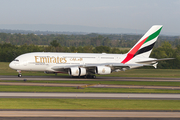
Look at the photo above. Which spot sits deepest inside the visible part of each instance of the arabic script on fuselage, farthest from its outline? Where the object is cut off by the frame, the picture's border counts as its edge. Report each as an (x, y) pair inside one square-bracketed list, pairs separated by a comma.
[(76, 59)]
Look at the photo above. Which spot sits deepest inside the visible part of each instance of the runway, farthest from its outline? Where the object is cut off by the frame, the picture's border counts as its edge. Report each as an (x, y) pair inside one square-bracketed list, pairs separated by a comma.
[(90, 95), (97, 114), (98, 78)]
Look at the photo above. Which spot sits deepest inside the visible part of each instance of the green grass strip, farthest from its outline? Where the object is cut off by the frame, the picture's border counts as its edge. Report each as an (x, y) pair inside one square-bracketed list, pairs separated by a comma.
[(85, 90), (88, 104), (107, 82)]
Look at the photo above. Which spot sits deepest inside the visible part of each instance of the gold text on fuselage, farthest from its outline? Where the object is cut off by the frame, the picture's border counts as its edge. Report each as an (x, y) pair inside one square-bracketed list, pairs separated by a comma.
[(48, 59), (76, 59)]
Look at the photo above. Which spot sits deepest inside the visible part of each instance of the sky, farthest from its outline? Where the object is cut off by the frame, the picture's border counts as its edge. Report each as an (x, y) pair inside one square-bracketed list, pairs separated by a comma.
[(128, 14)]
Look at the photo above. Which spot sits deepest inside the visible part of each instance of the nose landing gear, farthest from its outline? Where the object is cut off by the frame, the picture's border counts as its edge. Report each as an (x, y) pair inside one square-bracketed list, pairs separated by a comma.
[(19, 73)]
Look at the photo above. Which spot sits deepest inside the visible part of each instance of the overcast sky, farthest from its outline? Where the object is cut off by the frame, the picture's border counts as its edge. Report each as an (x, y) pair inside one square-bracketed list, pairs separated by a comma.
[(131, 14)]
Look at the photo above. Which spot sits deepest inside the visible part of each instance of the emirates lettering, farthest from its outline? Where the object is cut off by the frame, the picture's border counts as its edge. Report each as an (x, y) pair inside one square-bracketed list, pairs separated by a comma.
[(47, 59)]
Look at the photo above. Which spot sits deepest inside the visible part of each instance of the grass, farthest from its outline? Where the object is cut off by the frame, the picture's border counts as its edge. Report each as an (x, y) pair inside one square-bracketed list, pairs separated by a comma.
[(106, 82), (88, 104), (85, 90), (160, 73)]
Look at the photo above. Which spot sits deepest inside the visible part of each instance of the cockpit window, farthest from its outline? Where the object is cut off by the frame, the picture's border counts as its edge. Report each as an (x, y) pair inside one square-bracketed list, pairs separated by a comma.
[(16, 60)]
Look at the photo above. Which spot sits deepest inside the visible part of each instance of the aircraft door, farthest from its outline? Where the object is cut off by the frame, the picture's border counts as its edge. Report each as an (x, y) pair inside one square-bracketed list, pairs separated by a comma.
[(98, 58), (25, 62), (116, 58)]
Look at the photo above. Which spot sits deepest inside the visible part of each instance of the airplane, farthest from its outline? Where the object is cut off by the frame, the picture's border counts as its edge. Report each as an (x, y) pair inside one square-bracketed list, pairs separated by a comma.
[(89, 64)]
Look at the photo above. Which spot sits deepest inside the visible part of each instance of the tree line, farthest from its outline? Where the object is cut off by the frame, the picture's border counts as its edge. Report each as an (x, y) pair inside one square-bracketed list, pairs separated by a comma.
[(8, 51), (110, 40)]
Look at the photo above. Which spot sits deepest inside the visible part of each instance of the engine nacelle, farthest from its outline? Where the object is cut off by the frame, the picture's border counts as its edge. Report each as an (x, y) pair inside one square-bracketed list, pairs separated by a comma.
[(82, 71), (75, 71), (102, 70)]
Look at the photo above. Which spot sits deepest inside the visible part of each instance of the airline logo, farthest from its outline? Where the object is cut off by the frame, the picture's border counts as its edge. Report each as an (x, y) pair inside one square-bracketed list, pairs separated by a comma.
[(47, 59), (136, 50), (77, 72), (103, 70)]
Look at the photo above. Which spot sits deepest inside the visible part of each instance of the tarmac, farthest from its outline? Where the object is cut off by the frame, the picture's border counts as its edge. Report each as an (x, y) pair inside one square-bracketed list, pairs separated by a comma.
[(88, 115)]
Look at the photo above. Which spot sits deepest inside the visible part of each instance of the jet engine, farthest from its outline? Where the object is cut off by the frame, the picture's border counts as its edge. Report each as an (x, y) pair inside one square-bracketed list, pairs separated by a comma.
[(101, 70), (75, 71)]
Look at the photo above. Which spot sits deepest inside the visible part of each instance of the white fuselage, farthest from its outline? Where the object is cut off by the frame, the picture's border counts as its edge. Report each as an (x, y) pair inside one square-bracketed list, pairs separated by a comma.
[(44, 61)]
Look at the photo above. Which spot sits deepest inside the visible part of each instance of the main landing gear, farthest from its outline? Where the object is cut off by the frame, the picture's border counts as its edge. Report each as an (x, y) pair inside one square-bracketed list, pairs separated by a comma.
[(90, 76), (86, 76)]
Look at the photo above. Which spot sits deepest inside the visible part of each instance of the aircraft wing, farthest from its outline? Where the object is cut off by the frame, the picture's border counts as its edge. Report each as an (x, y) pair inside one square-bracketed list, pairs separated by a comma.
[(113, 66), (155, 60)]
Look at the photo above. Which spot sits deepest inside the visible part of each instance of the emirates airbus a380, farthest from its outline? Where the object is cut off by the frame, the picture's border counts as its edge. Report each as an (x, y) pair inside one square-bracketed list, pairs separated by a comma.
[(89, 64)]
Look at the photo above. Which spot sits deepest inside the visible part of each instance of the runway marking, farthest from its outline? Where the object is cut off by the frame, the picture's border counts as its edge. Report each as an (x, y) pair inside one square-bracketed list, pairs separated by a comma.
[(89, 114)]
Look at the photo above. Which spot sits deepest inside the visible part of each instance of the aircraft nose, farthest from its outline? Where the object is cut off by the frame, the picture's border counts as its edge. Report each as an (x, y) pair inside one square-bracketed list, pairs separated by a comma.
[(12, 65)]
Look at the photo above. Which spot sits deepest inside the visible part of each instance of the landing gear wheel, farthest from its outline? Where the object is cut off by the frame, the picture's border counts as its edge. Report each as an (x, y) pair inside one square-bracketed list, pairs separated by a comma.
[(19, 75), (88, 76), (93, 76)]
